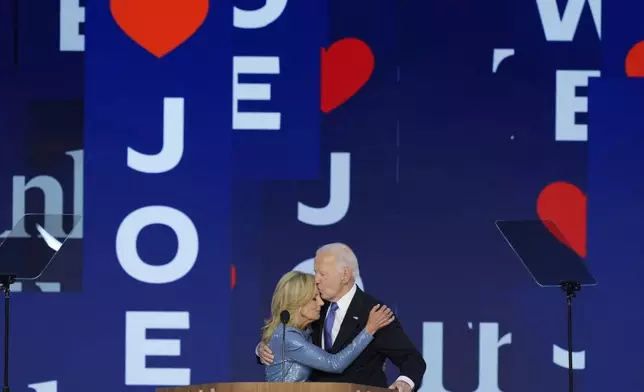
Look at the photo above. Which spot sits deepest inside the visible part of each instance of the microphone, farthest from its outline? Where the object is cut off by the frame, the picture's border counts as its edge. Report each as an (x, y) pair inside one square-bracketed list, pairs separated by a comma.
[(285, 316)]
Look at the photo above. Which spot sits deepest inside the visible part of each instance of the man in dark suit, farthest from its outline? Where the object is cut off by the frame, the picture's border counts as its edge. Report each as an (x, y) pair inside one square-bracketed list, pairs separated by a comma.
[(344, 314)]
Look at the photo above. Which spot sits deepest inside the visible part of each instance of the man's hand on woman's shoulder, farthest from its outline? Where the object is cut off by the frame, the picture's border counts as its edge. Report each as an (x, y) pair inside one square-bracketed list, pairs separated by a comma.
[(265, 354)]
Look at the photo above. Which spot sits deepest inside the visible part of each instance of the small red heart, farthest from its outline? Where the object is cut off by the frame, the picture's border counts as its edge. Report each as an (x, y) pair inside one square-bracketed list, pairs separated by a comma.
[(346, 67), (159, 26), (565, 205), (634, 63)]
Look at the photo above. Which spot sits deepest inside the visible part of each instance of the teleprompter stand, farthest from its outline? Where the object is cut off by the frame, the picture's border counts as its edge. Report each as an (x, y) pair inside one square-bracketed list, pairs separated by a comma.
[(544, 252), (7, 281), (25, 253)]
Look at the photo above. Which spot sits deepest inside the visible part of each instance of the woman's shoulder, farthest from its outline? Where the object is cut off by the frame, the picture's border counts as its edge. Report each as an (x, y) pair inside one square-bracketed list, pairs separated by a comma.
[(296, 338), (292, 332)]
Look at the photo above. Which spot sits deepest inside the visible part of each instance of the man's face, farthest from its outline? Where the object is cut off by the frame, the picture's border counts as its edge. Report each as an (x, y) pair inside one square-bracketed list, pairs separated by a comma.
[(327, 276)]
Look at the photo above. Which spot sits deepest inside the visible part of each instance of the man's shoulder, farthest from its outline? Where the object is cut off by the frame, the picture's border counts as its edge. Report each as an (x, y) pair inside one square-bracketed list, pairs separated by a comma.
[(368, 298), (367, 301)]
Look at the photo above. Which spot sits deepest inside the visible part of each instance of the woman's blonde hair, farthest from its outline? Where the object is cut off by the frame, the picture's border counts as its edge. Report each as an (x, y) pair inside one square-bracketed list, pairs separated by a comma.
[(294, 290)]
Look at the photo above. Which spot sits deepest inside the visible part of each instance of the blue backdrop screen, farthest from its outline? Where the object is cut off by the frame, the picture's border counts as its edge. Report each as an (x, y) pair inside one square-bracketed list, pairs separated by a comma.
[(214, 148)]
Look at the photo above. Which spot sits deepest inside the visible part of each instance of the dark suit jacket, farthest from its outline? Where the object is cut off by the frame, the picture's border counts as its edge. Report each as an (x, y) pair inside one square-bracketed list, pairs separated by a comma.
[(390, 342)]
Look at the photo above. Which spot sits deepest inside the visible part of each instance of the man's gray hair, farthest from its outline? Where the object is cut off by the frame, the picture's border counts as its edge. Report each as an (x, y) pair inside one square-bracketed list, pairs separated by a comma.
[(344, 256)]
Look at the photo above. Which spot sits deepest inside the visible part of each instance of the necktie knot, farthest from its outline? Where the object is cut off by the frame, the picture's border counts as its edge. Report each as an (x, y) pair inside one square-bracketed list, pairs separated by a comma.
[(334, 306)]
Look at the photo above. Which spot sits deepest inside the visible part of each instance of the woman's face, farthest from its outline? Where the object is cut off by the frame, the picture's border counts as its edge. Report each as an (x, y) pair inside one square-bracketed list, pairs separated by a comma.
[(311, 311)]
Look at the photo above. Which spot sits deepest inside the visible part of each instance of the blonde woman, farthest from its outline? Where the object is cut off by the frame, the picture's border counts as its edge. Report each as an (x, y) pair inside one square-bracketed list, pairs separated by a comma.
[(297, 293)]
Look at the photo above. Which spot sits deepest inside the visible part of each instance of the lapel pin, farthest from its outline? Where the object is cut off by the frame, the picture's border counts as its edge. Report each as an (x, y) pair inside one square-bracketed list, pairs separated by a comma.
[(355, 317)]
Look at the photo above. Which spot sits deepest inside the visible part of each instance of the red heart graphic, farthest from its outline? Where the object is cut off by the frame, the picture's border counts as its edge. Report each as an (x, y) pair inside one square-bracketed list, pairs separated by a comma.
[(565, 205), (346, 67), (634, 64), (159, 26)]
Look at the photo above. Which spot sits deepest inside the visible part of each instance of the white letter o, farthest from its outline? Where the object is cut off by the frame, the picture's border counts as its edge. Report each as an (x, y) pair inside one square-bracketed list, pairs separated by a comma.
[(187, 244)]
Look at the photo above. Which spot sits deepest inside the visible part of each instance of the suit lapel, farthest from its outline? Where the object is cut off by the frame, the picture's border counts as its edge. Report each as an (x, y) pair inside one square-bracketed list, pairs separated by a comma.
[(352, 321)]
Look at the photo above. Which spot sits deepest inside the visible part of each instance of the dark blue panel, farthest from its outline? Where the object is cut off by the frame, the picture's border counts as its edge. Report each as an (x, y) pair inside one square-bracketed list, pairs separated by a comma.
[(616, 211), (125, 89)]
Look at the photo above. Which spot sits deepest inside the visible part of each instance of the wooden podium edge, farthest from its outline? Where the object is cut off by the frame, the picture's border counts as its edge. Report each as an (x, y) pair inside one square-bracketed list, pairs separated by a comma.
[(286, 387)]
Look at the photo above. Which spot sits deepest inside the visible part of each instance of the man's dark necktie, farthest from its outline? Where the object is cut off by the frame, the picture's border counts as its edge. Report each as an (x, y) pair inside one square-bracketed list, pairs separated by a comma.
[(328, 327)]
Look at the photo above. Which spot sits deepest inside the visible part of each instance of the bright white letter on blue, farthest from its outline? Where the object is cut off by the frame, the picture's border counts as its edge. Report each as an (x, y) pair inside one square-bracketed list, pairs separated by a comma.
[(262, 17), (187, 244), (254, 92), (138, 347), (71, 16), (172, 150)]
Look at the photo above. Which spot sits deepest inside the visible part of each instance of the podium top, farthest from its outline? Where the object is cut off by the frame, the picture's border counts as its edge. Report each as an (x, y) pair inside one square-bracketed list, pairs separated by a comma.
[(275, 387), (543, 250), (29, 248)]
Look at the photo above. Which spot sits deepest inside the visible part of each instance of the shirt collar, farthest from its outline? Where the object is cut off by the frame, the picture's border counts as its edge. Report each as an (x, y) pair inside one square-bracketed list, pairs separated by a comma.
[(345, 301)]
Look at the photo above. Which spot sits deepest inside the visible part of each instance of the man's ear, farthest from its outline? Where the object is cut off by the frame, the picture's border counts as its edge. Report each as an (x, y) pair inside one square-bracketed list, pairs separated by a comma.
[(346, 275)]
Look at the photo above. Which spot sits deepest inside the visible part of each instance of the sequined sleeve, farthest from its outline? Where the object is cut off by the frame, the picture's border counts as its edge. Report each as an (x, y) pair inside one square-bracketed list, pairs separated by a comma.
[(300, 350)]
